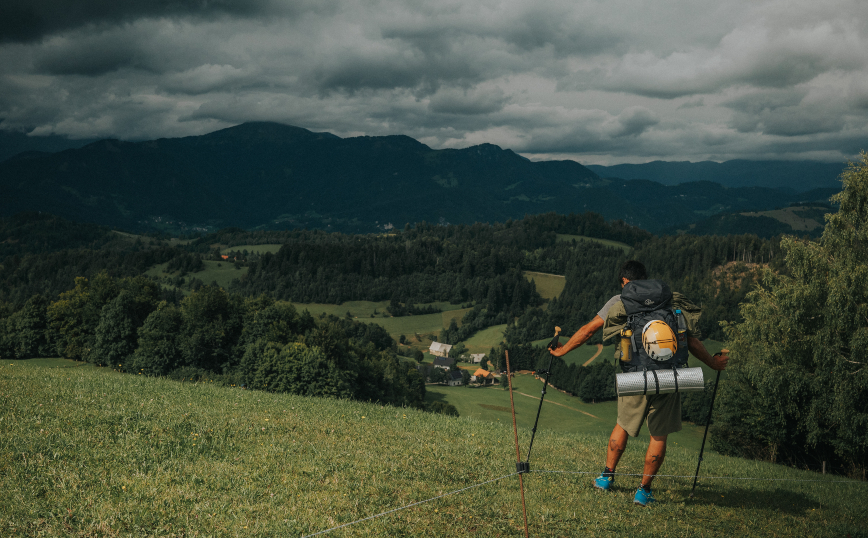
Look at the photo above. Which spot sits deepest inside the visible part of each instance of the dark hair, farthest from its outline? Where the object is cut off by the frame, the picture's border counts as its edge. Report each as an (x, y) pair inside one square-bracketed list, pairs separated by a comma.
[(632, 270)]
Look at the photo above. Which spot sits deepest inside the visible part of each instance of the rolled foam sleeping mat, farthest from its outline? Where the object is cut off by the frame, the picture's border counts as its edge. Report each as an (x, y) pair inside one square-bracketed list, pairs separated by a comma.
[(659, 382)]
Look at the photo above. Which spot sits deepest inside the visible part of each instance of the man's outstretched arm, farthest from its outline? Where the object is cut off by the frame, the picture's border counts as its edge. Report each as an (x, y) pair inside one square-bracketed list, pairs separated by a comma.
[(581, 336), (697, 349)]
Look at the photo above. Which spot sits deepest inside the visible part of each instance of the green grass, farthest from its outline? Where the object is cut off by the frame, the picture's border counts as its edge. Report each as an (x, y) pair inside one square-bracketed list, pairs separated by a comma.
[(425, 325), (88, 452), (221, 272), (253, 249), (794, 217), (484, 340), (548, 286), (608, 242)]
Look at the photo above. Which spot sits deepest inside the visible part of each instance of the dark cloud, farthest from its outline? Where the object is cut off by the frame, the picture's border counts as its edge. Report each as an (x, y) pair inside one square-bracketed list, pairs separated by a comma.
[(29, 20), (568, 78), (468, 102)]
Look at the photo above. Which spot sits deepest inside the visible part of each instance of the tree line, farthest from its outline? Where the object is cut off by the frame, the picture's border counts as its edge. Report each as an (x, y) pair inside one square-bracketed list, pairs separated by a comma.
[(796, 391), (256, 342)]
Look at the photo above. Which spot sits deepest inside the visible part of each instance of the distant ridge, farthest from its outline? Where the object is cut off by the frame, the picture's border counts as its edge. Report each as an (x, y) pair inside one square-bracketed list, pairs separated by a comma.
[(797, 175), (270, 175)]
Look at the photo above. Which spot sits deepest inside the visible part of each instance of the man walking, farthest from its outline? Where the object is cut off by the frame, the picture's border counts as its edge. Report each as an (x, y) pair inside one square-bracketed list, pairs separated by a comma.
[(663, 411)]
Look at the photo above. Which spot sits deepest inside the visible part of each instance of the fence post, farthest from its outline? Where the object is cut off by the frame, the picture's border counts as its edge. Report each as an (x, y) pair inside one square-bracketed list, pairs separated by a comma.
[(824, 467)]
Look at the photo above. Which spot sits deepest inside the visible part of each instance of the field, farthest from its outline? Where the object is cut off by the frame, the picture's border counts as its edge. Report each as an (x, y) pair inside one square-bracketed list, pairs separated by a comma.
[(548, 286), (484, 340), (88, 452), (608, 242), (800, 219), (425, 325), (252, 249), (221, 272)]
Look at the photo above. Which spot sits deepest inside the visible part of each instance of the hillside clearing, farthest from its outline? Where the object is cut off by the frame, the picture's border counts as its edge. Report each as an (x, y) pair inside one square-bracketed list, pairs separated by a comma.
[(170, 459), (608, 242), (799, 218), (547, 285), (271, 248)]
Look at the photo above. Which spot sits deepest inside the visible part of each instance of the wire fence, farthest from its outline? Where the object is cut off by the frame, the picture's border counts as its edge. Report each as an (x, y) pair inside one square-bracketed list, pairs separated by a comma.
[(542, 471)]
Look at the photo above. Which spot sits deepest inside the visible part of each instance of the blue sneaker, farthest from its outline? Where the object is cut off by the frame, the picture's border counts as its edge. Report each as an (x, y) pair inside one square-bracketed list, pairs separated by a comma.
[(643, 498), (604, 482)]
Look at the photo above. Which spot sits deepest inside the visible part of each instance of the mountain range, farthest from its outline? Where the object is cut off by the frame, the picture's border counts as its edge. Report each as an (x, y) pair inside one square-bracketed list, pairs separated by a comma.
[(796, 175), (270, 175)]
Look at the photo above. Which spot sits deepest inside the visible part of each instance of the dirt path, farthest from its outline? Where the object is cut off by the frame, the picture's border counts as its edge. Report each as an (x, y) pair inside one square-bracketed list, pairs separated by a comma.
[(597, 354), (562, 405)]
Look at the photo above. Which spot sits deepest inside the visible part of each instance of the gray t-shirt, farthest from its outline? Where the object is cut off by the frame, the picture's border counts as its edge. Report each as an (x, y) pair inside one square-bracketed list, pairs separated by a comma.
[(604, 312)]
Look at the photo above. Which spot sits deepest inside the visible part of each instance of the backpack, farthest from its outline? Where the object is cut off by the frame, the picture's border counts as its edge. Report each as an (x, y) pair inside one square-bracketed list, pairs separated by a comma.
[(646, 301)]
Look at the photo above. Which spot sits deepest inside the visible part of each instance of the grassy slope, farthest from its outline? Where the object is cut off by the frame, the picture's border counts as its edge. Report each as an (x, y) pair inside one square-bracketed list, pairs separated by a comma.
[(221, 272), (88, 452), (484, 340), (793, 217), (549, 286), (253, 249), (608, 242)]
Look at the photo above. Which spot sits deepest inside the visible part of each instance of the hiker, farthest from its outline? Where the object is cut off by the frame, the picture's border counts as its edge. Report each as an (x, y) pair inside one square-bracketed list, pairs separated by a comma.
[(662, 411)]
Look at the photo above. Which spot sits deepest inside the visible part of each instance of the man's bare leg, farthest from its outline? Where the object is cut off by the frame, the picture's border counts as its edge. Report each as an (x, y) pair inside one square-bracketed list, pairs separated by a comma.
[(617, 445), (654, 458)]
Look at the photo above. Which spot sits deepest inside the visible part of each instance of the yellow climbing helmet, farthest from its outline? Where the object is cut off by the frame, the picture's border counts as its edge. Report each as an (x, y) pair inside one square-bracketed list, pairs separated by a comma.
[(659, 340)]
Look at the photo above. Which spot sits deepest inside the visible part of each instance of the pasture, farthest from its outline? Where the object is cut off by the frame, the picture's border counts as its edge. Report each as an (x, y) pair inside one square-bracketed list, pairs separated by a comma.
[(799, 218), (547, 285), (223, 272), (608, 242), (271, 248), (484, 340), (90, 452)]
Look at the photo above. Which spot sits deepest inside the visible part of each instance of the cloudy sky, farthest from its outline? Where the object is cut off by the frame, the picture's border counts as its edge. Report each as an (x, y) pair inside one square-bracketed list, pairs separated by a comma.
[(597, 81)]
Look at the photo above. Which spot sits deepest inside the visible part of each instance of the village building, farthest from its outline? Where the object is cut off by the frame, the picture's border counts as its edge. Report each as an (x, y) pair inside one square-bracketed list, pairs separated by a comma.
[(483, 377), (444, 363), (439, 349), (476, 358), (454, 378)]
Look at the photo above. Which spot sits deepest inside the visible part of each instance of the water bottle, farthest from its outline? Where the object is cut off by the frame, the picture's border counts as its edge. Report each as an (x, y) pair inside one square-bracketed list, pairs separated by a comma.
[(626, 337), (682, 323)]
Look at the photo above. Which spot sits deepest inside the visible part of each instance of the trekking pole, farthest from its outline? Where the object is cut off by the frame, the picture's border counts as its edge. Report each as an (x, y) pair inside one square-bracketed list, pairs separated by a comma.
[(553, 343), (518, 465), (707, 423)]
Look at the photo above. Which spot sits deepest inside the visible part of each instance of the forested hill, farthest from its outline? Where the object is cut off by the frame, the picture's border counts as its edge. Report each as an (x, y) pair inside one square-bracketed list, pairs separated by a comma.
[(273, 176), (796, 175)]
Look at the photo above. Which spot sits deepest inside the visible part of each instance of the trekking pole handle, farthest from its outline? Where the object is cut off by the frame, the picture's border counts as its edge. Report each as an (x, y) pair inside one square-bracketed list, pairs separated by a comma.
[(553, 344)]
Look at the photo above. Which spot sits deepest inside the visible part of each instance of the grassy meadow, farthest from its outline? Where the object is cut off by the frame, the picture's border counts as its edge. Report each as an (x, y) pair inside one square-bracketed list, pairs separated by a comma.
[(608, 242), (547, 285), (89, 452), (484, 340), (425, 325), (222, 272), (253, 249), (794, 217)]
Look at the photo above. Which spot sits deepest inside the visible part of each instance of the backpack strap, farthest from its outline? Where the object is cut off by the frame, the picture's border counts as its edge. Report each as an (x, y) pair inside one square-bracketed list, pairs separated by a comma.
[(675, 375), (656, 381)]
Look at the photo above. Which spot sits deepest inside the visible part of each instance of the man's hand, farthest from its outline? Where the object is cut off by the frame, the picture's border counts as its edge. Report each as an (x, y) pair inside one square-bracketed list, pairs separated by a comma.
[(720, 360), (716, 362), (559, 350)]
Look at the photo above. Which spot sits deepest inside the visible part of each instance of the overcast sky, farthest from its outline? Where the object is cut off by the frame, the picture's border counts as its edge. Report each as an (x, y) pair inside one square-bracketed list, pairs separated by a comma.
[(600, 82)]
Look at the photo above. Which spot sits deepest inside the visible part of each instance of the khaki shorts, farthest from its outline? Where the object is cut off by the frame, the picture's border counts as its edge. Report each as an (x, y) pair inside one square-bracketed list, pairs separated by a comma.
[(663, 412)]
